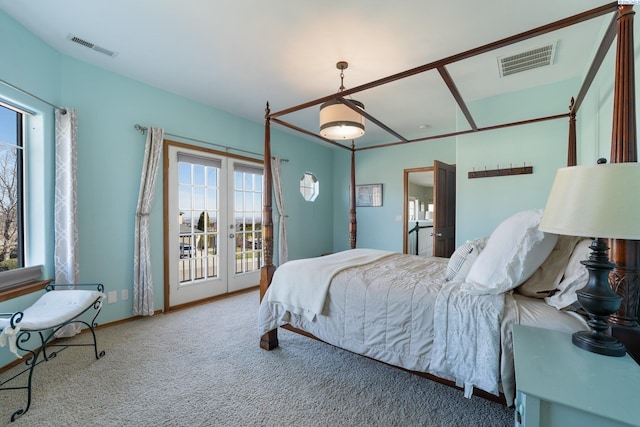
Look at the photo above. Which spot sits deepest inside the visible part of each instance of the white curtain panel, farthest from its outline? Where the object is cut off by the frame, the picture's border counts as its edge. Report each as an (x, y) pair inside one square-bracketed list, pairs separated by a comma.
[(142, 278), (276, 173), (66, 266)]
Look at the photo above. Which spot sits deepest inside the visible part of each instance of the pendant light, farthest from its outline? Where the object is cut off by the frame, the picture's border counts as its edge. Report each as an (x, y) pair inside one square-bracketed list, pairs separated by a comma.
[(338, 121)]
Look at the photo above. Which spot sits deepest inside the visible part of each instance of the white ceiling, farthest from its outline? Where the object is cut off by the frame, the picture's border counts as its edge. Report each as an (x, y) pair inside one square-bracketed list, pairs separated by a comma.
[(236, 55)]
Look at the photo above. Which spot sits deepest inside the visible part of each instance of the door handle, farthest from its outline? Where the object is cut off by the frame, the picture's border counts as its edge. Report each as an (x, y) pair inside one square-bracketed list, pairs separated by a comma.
[(231, 236), (437, 234)]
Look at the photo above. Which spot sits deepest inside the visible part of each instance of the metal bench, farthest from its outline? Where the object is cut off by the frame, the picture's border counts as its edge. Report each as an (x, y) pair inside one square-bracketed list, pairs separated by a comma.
[(33, 330)]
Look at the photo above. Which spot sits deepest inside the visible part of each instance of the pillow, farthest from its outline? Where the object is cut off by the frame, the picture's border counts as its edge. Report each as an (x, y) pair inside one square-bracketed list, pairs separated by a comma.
[(463, 257), (515, 249), (457, 259), (478, 245), (545, 279), (575, 277)]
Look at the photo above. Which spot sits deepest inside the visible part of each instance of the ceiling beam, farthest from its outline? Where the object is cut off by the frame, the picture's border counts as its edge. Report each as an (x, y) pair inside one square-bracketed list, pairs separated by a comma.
[(456, 94), (359, 110), (306, 132), (601, 53), (468, 131)]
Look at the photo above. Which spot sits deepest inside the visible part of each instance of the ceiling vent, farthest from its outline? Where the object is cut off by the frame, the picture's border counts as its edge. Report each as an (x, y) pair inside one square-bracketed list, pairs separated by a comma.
[(91, 46), (523, 61)]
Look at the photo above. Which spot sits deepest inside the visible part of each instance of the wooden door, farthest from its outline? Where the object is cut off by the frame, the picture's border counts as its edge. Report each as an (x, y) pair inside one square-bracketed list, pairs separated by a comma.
[(444, 217)]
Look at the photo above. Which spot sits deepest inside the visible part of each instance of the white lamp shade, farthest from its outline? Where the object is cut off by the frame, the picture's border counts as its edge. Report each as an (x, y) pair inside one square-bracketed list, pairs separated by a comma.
[(595, 201), (337, 121)]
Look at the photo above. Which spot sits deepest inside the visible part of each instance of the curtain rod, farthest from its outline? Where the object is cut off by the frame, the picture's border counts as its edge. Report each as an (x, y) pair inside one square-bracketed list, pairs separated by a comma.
[(143, 129), (63, 110)]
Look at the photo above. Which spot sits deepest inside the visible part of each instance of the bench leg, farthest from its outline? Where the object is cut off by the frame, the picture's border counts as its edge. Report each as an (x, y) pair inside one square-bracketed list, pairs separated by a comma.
[(32, 361)]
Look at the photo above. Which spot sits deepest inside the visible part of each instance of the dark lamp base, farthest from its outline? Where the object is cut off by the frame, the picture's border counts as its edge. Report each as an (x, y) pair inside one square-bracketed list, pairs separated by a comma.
[(599, 300), (599, 343)]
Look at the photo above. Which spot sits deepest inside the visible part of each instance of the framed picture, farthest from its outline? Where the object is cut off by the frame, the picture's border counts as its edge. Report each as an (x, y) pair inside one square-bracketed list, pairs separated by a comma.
[(369, 195)]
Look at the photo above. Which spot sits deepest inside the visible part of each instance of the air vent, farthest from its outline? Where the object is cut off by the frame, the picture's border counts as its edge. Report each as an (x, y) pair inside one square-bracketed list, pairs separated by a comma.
[(523, 61), (91, 46)]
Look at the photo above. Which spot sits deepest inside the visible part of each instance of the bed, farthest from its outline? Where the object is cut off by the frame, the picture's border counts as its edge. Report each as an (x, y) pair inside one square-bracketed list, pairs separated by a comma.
[(431, 298), (386, 305)]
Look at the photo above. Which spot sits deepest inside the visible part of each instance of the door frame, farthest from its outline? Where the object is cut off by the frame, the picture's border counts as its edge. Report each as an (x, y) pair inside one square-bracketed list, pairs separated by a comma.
[(166, 214), (448, 197), (405, 210)]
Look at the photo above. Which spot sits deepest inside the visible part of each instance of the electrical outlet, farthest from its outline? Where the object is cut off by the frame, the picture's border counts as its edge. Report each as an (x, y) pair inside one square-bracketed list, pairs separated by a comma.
[(124, 294), (112, 297)]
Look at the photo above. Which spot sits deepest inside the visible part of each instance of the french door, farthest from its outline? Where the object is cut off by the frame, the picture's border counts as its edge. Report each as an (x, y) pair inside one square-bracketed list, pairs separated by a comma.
[(213, 229)]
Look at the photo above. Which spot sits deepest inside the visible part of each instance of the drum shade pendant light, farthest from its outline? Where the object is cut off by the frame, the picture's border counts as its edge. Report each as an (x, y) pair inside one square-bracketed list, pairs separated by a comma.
[(338, 121)]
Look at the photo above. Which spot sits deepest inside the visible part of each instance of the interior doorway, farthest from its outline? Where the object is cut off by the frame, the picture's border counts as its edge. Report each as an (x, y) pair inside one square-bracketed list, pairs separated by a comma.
[(429, 210)]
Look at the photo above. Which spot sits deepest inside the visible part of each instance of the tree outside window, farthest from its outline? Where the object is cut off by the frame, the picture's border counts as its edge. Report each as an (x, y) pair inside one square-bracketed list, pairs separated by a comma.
[(10, 189)]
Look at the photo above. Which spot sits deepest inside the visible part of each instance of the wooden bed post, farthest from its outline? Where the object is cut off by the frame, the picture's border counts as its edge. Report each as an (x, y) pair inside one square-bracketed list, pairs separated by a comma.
[(572, 152), (626, 253), (353, 225), (268, 341)]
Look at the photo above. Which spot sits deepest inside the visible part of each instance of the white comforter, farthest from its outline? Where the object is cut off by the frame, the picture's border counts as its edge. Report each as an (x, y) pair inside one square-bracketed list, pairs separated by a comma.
[(385, 310), (316, 275)]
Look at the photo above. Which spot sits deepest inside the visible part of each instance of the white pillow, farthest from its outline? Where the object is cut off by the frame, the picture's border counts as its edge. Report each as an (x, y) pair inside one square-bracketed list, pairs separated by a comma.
[(575, 278), (514, 251)]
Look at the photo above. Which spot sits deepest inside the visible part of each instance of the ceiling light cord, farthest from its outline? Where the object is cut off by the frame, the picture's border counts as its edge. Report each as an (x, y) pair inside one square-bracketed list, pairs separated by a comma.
[(342, 65)]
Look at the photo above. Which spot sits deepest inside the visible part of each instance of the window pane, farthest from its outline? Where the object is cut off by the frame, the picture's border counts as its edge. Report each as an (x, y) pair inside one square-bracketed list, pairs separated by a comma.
[(10, 189), (198, 201), (198, 198), (212, 177), (184, 173), (198, 175)]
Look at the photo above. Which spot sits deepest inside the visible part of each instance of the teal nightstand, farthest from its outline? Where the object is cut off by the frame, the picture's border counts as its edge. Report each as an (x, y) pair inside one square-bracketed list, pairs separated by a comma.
[(559, 384)]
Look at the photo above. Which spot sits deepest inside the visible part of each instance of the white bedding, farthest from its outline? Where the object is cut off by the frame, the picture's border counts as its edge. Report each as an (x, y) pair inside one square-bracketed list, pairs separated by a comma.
[(466, 343), (316, 275), (385, 310)]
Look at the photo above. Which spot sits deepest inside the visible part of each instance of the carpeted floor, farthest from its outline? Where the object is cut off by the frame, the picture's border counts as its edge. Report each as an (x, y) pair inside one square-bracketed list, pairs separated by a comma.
[(203, 367)]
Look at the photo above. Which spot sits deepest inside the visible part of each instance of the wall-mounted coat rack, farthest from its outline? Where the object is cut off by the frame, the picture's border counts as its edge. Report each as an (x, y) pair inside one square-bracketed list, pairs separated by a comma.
[(487, 173)]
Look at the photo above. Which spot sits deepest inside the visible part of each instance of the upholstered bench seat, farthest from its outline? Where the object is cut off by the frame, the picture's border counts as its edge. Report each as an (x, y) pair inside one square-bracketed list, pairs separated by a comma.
[(50, 310), (41, 321)]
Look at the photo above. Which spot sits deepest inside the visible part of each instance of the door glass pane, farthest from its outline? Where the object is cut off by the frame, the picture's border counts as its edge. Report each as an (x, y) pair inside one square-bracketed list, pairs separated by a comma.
[(248, 221), (198, 204)]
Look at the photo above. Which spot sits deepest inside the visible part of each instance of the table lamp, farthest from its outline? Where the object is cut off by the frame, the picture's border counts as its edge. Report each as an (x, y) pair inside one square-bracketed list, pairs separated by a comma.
[(598, 201)]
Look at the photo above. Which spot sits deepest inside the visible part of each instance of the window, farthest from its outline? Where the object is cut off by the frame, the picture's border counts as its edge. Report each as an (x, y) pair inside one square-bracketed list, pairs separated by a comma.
[(16, 274), (309, 187), (11, 186)]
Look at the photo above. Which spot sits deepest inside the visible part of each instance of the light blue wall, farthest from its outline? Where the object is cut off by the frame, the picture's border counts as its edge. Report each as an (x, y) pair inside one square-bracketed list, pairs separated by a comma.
[(110, 155), (109, 165), (482, 203), (381, 227)]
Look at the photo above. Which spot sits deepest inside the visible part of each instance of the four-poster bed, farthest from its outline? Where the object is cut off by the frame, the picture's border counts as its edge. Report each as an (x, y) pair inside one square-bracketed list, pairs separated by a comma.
[(626, 254)]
